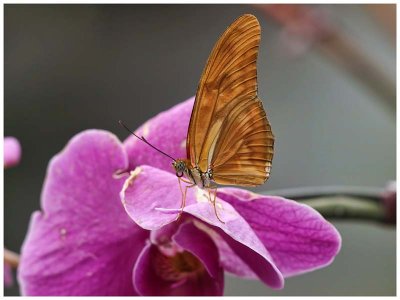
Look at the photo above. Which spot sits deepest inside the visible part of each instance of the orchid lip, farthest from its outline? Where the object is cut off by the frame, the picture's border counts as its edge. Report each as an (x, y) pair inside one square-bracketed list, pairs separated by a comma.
[(177, 267)]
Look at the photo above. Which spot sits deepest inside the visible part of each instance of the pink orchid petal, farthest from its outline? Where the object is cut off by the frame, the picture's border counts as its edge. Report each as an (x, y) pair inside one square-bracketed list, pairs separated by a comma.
[(148, 283), (166, 131), (164, 234), (148, 192), (12, 151), (230, 261), (197, 242), (82, 243), (163, 239), (168, 210), (145, 279), (149, 188), (241, 239), (298, 238)]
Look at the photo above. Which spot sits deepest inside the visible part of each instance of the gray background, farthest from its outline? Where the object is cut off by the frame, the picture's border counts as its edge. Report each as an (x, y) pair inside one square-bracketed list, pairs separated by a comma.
[(69, 68)]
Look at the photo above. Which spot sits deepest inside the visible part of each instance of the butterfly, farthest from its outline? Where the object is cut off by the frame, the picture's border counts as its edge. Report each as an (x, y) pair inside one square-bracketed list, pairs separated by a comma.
[(229, 140)]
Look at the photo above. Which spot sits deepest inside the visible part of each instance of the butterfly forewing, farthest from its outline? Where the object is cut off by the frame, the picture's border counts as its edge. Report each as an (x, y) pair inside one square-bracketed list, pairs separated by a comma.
[(229, 130)]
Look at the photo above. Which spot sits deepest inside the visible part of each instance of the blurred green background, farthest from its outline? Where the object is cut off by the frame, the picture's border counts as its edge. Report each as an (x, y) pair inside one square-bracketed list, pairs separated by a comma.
[(68, 68)]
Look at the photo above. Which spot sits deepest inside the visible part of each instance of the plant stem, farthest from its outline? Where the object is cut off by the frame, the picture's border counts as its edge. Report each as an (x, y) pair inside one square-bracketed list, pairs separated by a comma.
[(350, 208), (341, 202)]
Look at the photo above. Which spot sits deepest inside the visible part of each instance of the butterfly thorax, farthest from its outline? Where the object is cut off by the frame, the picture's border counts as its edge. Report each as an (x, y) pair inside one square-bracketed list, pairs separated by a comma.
[(183, 167)]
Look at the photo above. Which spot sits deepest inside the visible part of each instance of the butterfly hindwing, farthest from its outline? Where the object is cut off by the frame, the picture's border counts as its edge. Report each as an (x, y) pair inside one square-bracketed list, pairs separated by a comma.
[(244, 150)]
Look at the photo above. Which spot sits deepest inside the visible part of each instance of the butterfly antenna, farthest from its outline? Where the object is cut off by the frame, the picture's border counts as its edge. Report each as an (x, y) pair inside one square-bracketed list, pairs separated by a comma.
[(144, 140)]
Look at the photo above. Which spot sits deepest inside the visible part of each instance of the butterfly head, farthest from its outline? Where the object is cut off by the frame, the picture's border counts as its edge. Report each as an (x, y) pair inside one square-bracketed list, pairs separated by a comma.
[(179, 166)]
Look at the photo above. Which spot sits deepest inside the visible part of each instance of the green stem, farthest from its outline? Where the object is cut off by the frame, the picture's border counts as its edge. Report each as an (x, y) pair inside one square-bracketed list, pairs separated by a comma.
[(349, 208), (343, 203)]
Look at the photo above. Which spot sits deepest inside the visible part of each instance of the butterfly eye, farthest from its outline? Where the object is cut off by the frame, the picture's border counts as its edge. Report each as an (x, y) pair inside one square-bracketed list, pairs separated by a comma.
[(179, 174)]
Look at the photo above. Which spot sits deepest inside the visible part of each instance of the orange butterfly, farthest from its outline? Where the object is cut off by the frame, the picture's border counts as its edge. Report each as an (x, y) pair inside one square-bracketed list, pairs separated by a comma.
[(229, 139)]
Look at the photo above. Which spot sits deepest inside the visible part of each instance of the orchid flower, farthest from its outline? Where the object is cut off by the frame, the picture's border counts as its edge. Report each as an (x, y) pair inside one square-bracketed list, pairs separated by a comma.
[(100, 233)]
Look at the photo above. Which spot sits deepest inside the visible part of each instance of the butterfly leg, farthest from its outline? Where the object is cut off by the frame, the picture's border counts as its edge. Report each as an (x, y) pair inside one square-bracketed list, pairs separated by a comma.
[(185, 181), (214, 203), (183, 203)]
